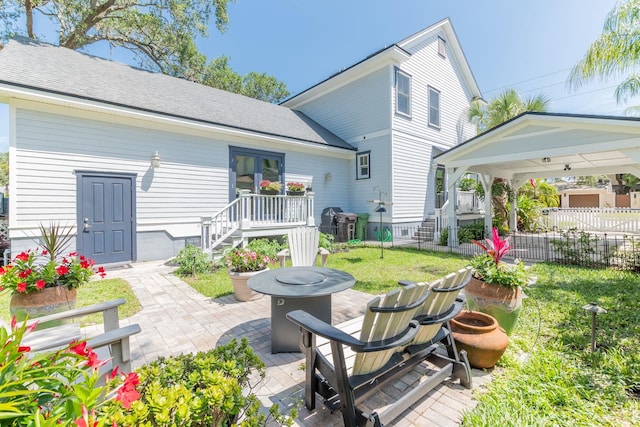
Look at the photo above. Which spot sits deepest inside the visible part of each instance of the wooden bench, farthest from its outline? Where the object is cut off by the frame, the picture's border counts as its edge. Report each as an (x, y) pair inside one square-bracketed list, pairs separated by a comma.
[(112, 342), (350, 362)]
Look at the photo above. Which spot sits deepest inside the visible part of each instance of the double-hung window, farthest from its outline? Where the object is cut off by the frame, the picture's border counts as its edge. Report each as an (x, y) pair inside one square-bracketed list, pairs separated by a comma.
[(434, 107), (363, 162), (403, 93)]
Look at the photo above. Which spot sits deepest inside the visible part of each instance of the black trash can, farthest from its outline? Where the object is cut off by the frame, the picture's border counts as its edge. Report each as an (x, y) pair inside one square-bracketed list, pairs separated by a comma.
[(328, 222), (346, 226)]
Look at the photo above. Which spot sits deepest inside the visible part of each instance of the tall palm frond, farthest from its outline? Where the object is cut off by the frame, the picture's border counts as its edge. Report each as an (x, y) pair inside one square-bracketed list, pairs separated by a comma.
[(614, 53)]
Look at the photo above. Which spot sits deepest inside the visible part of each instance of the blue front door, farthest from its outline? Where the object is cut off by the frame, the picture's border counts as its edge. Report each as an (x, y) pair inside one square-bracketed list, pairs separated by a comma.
[(106, 217)]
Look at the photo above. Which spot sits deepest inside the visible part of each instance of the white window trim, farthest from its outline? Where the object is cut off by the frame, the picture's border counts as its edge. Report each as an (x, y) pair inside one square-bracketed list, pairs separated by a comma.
[(366, 154), (431, 89), (402, 113), (442, 43)]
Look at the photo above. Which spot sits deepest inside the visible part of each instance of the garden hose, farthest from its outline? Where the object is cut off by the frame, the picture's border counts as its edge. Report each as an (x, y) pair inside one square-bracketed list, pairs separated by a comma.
[(386, 237)]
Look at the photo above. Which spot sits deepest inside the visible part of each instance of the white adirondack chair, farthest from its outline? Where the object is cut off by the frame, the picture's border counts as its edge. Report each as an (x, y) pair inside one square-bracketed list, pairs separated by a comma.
[(346, 370), (112, 342), (303, 248)]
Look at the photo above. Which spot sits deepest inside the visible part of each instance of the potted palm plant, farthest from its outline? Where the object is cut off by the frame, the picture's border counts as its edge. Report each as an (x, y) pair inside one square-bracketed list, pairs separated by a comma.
[(496, 287)]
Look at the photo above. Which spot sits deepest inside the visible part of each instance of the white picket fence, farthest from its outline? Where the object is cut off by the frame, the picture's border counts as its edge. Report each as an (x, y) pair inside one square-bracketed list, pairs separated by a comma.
[(614, 220)]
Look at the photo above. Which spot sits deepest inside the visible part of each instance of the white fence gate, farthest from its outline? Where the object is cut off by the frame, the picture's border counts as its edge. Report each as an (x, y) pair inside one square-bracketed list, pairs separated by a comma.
[(614, 220)]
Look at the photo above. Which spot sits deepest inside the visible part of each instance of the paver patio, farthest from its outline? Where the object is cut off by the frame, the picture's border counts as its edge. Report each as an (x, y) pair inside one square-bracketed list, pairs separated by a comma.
[(176, 319)]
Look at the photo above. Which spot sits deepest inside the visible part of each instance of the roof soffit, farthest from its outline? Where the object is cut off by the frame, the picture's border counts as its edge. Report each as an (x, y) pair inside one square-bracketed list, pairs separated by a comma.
[(536, 145)]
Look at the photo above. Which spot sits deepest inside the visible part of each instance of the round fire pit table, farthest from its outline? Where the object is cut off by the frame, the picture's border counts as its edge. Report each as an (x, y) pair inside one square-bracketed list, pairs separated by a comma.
[(298, 288)]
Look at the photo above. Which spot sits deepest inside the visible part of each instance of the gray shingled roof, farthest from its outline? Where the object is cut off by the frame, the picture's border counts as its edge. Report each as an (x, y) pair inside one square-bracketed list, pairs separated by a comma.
[(54, 69)]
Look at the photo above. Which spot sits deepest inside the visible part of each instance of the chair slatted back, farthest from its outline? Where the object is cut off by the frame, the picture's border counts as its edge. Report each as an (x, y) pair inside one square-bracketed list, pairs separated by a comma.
[(303, 246), (377, 326), (439, 301)]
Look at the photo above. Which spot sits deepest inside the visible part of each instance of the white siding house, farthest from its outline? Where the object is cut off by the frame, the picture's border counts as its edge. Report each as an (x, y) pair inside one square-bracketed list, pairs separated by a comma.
[(401, 140), (83, 131)]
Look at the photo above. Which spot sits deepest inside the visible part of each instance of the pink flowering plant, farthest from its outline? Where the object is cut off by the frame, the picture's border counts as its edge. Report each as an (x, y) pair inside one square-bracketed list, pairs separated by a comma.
[(246, 260), (60, 388), (488, 266), (32, 271), (295, 186), (265, 184)]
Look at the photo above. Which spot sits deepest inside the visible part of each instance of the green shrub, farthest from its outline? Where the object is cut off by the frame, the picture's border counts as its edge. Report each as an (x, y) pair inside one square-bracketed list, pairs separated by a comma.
[(203, 389), (266, 247), (192, 260), (468, 184), (326, 241), (470, 232), (444, 237), (575, 247), (466, 234)]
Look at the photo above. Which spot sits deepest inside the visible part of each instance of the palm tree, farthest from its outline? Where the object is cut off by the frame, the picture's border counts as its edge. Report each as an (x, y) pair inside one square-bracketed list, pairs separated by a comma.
[(615, 53), (507, 105), (503, 107), (545, 193)]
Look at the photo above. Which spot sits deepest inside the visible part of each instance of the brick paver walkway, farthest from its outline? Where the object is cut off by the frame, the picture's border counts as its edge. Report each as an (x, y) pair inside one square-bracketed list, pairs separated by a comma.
[(176, 319)]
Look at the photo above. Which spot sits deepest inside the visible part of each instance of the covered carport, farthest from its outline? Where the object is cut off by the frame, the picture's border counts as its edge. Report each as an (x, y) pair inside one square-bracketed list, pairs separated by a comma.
[(542, 145)]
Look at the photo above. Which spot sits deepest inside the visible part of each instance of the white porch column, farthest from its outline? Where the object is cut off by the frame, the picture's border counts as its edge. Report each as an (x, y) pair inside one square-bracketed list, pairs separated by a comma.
[(487, 181), (244, 210), (453, 175)]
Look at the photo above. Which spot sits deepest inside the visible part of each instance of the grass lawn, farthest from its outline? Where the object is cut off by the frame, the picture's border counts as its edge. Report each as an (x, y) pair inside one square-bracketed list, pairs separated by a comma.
[(373, 275), (548, 376), (93, 292)]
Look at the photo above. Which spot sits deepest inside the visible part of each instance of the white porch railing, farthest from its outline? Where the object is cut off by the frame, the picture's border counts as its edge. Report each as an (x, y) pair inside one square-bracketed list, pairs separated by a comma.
[(468, 203), (617, 220), (250, 212)]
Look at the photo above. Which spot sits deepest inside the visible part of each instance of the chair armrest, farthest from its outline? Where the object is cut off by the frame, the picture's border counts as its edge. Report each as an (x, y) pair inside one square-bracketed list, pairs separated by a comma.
[(113, 336), (324, 254), (318, 327), (282, 256), (82, 311), (119, 346)]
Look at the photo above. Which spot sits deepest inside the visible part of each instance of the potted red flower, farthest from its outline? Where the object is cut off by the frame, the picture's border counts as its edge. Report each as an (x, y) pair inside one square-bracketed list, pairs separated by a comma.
[(43, 282), (496, 287)]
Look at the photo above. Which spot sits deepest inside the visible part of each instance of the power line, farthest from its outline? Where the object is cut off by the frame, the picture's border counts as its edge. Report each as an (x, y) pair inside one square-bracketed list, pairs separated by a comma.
[(528, 80)]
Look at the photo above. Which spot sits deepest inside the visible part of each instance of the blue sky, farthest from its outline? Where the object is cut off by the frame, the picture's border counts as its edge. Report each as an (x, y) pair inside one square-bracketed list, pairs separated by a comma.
[(529, 45)]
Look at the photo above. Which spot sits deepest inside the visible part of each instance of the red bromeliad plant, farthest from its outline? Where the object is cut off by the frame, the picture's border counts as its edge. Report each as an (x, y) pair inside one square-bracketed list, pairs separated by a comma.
[(60, 388), (496, 247), (489, 267)]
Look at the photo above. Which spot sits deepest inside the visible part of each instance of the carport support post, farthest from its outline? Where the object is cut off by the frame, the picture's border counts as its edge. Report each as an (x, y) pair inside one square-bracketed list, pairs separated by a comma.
[(515, 184), (487, 182)]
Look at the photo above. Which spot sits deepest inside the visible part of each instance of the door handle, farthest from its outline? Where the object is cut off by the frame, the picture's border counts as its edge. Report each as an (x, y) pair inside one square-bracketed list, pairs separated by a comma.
[(85, 224)]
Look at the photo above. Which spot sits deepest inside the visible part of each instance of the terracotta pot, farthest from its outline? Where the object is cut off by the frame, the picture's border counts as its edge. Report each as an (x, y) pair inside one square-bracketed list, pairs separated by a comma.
[(43, 302), (241, 290), (501, 302), (480, 336)]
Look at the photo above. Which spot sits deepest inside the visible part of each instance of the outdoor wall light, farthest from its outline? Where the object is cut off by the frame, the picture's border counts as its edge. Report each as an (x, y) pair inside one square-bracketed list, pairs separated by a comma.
[(567, 167), (546, 160), (328, 177), (155, 160)]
